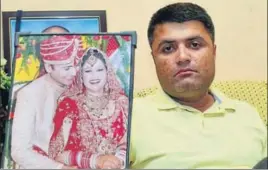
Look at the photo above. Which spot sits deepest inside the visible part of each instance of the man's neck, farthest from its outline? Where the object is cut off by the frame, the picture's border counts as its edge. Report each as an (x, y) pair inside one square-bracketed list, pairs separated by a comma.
[(201, 103), (58, 86)]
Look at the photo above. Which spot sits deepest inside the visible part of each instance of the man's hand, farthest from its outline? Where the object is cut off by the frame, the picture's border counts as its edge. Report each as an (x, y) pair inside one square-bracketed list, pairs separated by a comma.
[(108, 162), (61, 157)]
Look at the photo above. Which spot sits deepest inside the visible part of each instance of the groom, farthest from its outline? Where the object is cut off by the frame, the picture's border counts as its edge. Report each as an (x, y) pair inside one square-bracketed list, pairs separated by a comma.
[(37, 101)]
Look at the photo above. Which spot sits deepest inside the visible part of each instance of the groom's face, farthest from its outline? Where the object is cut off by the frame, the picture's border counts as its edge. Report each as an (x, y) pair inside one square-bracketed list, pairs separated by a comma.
[(64, 74)]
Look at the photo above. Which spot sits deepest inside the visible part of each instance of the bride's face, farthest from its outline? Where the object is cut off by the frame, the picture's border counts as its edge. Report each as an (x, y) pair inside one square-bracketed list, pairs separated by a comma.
[(94, 77)]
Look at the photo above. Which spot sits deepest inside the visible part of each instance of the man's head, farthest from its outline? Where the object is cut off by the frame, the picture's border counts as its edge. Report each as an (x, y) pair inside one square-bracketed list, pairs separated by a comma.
[(59, 54), (181, 37), (49, 30), (55, 29)]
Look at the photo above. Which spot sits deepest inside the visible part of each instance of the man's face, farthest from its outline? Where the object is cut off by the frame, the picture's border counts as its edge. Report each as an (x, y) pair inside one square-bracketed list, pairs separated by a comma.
[(184, 56), (63, 74)]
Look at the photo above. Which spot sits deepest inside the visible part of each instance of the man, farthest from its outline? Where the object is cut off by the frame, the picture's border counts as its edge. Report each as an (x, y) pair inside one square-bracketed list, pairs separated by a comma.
[(36, 103), (55, 29), (186, 124), (49, 30)]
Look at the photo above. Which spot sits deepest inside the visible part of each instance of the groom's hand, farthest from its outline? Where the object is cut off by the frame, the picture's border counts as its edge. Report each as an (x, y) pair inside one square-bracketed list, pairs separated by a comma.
[(61, 157), (108, 162)]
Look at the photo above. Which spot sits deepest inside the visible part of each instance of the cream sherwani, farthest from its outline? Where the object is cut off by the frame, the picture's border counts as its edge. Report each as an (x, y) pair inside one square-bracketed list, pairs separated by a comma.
[(33, 123)]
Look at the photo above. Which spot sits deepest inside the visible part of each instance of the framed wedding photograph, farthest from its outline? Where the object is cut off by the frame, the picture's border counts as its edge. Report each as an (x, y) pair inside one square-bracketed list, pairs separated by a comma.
[(91, 21), (75, 106)]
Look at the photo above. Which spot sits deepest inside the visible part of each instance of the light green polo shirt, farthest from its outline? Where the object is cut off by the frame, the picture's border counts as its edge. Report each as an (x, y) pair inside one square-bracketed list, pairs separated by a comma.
[(165, 134)]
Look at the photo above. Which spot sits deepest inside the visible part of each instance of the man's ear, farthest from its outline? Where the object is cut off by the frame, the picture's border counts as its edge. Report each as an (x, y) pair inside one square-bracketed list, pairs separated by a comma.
[(214, 50), (48, 68), (152, 54)]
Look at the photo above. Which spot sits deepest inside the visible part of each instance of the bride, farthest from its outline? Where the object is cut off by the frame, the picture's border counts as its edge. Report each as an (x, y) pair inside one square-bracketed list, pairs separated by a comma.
[(91, 119)]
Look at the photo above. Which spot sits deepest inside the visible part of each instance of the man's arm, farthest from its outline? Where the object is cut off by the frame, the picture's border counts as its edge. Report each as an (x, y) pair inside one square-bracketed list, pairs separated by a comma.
[(257, 122), (23, 129), (263, 132), (265, 142), (131, 155)]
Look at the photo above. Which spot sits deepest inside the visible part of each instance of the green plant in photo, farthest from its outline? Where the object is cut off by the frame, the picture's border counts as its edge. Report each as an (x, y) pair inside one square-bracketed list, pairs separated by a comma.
[(5, 80)]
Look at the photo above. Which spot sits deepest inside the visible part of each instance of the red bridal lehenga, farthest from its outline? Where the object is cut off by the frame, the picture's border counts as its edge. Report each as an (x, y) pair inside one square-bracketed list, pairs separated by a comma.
[(87, 126)]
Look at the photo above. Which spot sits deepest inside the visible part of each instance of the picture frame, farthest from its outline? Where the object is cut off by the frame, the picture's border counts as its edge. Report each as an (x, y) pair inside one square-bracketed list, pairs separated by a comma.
[(115, 51), (36, 21)]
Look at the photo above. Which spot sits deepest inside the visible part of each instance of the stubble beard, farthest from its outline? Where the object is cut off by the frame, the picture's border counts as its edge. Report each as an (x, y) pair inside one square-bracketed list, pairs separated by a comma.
[(184, 89)]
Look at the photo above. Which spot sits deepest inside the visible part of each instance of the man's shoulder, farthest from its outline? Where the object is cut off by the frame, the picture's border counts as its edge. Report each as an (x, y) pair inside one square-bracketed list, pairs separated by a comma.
[(145, 106), (144, 101), (249, 115), (36, 86), (244, 109)]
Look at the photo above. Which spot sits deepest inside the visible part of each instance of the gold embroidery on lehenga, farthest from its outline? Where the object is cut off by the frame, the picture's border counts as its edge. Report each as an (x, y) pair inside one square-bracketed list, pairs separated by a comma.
[(98, 135), (56, 146), (86, 134)]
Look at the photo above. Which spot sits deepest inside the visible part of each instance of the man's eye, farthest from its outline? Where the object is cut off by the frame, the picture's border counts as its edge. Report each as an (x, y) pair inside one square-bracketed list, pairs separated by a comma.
[(67, 68), (87, 71), (195, 45), (168, 49), (101, 69)]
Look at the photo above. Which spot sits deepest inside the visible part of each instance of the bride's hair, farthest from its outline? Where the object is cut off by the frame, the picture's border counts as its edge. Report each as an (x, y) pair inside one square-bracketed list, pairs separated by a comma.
[(93, 52)]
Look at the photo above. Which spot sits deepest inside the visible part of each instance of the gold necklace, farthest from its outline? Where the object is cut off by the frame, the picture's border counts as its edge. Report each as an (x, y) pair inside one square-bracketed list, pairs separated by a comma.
[(96, 104)]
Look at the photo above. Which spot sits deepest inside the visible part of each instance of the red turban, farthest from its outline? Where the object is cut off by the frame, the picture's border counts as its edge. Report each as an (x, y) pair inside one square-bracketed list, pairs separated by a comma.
[(61, 49)]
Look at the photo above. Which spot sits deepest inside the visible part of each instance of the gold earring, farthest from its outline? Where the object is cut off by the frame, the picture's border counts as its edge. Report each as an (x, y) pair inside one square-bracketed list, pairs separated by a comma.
[(106, 88)]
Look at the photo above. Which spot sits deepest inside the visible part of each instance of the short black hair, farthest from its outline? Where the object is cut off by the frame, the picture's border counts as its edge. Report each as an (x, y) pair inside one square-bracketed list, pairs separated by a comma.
[(55, 26), (180, 12)]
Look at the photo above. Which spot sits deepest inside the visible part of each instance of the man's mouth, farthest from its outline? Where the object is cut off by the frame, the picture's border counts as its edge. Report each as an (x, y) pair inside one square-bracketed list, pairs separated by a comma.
[(95, 81), (186, 71), (70, 79)]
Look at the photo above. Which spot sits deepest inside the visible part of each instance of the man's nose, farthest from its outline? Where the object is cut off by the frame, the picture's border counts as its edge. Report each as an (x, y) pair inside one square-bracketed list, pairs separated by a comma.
[(73, 71), (183, 55)]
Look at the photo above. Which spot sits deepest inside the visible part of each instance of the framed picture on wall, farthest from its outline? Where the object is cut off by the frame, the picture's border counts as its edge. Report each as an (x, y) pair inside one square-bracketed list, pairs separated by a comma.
[(77, 107), (40, 21)]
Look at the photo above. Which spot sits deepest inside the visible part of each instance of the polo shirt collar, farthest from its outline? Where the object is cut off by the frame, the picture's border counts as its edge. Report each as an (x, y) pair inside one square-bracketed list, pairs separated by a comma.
[(165, 102)]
